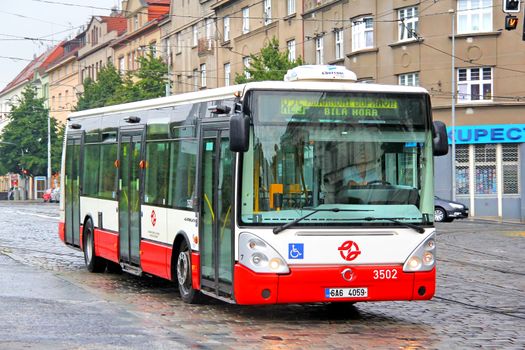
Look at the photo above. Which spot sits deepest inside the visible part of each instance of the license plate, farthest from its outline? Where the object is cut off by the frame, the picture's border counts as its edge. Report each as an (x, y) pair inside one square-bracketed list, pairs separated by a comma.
[(331, 293)]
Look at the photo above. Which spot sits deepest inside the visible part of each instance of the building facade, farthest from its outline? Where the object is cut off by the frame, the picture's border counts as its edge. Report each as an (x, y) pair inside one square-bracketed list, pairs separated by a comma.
[(410, 42), (142, 35), (63, 78), (96, 52)]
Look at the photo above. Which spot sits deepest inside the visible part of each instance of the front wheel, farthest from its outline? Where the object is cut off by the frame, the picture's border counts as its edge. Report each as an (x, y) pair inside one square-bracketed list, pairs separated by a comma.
[(440, 215), (93, 262), (183, 270)]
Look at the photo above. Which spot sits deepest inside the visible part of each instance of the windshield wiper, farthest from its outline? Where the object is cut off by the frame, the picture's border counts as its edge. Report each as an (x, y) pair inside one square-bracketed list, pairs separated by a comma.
[(400, 223), (278, 229)]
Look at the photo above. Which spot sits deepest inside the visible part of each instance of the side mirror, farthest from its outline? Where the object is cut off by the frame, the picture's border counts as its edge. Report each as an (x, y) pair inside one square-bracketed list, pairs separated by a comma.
[(440, 139), (239, 133)]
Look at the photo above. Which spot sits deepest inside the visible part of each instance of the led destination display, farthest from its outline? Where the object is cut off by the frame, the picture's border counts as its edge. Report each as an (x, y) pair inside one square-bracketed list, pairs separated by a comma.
[(335, 107)]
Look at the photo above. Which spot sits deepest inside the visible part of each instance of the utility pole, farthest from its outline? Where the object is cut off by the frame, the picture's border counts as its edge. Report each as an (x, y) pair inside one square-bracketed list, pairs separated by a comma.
[(453, 103)]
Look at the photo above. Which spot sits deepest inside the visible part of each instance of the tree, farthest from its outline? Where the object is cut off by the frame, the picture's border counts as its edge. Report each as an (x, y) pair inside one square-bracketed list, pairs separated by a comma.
[(152, 77), (24, 139), (99, 93), (269, 64)]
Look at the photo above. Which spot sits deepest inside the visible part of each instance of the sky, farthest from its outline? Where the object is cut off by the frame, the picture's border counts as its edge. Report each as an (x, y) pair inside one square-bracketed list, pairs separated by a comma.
[(30, 27)]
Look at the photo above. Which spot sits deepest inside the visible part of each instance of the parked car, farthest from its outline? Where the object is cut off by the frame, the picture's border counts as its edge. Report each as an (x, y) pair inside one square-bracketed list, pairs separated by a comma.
[(446, 210), (52, 195)]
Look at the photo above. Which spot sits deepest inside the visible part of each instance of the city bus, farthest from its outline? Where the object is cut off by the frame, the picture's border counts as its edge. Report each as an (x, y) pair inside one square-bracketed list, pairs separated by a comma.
[(244, 193)]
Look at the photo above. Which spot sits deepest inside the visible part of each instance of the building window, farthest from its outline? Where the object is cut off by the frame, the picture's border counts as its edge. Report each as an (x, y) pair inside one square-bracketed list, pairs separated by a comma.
[(291, 7), (226, 28), (135, 22), (246, 64), (485, 162), (474, 84), (474, 16), (462, 169), (178, 43), (408, 23), (485, 169), (121, 65), (267, 12), (203, 75), (319, 50), (409, 79), (227, 71), (510, 161), (339, 49), (195, 35), (153, 48), (362, 33), (291, 50), (245, 20), (195, 80), (209, 28)]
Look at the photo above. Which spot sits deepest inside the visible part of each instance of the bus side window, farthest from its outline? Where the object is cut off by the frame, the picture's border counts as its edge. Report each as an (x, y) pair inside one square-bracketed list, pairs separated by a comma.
[(182, 160)]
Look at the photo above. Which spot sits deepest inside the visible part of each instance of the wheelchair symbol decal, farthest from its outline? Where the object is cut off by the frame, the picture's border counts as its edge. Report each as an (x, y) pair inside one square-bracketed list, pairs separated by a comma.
[(296, 251)]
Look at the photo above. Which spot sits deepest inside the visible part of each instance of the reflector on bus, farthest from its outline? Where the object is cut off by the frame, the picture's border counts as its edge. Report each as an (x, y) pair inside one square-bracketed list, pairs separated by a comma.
[(320, 72)]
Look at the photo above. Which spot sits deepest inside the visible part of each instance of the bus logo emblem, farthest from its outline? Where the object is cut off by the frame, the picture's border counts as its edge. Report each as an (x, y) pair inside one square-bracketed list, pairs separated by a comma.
[(349, 250), (153, 218)]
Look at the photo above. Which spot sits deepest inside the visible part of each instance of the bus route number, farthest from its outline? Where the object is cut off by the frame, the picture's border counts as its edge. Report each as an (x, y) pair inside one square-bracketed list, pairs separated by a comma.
[(385, 274)]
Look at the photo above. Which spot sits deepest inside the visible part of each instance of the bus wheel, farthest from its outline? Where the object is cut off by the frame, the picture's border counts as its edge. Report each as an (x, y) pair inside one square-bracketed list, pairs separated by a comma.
[(93, 262), (183, 269)]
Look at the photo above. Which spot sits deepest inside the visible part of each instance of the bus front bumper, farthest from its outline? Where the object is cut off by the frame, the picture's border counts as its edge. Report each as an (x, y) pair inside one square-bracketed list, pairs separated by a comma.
[(311, 284)]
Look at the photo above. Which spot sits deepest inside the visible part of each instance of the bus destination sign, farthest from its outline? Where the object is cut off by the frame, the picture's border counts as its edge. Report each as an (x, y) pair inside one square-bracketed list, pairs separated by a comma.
[(337, 107)]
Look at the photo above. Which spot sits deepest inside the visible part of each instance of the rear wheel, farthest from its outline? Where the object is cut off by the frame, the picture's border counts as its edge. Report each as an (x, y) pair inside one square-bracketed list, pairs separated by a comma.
[(183, 273), (93, 262), (440, 215)]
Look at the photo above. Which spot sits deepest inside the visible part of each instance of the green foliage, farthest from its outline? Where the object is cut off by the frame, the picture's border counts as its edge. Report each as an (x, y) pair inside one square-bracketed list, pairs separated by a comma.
[(99, 93), (152, 78), (149, 81), (269, 64), (23, 143)]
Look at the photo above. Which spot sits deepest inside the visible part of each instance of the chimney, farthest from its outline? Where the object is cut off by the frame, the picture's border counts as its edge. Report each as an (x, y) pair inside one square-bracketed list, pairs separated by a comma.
[(124, 7)]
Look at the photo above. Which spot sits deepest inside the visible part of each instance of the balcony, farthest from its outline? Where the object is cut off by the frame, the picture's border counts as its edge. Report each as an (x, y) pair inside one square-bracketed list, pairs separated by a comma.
[(205, 47)]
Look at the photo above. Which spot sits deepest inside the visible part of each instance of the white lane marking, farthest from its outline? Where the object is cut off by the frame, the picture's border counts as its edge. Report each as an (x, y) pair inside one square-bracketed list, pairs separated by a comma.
[(38, 215)]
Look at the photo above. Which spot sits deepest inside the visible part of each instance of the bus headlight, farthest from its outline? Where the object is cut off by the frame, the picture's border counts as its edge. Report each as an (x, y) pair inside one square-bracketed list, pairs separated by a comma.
[(423, 257), (259, 256)]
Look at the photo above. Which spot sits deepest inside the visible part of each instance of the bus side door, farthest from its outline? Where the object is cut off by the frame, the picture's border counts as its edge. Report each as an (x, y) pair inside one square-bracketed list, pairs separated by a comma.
[(216, 211), (72, 187), (129, 186)]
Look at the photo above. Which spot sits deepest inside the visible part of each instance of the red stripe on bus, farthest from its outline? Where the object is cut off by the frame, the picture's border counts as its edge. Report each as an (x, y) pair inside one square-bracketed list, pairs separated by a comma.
[(62, 231), (107, 245), (253, 288), (154, 257), (249, 286), (195, 270)]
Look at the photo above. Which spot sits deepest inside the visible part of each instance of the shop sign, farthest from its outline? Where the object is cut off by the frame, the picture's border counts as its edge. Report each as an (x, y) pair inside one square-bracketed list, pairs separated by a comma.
[(497, 133)]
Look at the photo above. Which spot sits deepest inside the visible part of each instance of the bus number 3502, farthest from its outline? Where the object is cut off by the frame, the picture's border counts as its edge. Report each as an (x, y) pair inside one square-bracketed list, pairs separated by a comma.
[(388, 274)]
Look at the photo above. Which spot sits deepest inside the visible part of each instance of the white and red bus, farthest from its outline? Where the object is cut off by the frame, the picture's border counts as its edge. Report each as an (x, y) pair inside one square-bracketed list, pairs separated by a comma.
[(313, 189)]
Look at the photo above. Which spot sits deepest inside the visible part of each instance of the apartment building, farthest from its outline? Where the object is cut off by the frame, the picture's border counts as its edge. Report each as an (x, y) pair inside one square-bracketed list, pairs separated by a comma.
[(96, 52), (63, 79), (210, 41), (143, 32), (248, 25), (409, 42)]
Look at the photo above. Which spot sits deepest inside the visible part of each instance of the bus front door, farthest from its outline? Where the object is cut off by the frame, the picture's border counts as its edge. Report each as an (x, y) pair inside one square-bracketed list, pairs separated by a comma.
[(129, 197), (72, 187), (216, 239)]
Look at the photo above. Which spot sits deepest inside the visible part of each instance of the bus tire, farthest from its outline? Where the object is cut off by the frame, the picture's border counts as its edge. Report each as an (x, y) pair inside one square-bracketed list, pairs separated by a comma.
[(182, 273), (93, 262)]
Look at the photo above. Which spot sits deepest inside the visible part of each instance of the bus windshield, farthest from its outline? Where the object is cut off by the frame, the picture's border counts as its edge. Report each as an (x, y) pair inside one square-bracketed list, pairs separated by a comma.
[(367, 154)]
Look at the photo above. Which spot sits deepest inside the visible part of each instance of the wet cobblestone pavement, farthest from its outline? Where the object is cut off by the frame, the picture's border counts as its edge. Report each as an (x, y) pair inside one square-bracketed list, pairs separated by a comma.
[(49, 300)]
